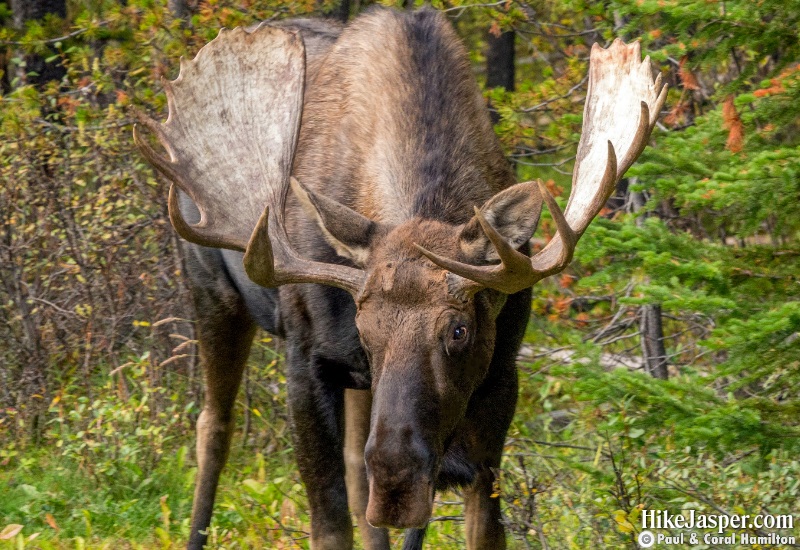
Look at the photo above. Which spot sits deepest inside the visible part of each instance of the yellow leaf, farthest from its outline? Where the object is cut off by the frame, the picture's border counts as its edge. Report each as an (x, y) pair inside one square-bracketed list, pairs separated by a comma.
[(625, 527), (599, 454), (165, 513), (623, 524), (10, 531)]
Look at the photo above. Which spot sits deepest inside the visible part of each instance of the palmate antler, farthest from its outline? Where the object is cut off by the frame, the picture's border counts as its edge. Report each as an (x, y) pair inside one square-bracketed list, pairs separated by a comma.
[(622, 105), (234, 116)]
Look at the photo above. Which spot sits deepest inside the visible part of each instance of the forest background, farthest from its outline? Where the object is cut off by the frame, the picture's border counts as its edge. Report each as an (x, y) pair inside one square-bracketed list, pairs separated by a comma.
[(661, 370)]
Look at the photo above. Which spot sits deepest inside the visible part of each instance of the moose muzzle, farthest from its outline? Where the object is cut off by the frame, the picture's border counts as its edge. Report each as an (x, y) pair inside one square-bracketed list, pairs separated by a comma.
[(401, 483), (401, 463)]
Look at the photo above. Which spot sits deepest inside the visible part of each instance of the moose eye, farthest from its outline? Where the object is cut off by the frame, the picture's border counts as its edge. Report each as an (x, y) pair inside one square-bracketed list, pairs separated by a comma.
[(457, 340)]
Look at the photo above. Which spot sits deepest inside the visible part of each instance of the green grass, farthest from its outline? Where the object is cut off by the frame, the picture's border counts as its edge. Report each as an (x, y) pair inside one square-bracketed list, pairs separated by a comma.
[(261, 504), (117, 471)]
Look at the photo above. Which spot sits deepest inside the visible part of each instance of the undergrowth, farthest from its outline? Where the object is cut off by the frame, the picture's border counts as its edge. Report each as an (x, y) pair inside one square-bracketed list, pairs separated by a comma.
[(580, 464)]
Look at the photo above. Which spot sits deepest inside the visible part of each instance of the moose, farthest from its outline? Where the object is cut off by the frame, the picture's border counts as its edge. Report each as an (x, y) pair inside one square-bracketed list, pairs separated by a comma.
[(343, 189)]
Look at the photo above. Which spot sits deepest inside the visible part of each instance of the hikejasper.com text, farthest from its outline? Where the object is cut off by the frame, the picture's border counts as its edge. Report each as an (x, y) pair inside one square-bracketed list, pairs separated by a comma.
[(689, 519)]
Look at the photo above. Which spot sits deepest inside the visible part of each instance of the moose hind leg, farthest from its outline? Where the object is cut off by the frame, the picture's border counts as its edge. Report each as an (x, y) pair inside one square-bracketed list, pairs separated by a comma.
[(225, 333), (357, 405), (414, 538)]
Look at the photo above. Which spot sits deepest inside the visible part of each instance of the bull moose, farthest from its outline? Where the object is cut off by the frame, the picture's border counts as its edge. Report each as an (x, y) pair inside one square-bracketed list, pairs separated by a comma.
[(344, 190)]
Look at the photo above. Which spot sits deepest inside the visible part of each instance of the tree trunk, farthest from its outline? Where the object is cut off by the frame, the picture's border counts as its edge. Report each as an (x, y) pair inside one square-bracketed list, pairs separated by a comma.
[(182, 9), (32, 389), (500, 71), (179, 9), (37, 71), (652, 337), (341, 12), (651, 329), (500, 61), (30, 10)]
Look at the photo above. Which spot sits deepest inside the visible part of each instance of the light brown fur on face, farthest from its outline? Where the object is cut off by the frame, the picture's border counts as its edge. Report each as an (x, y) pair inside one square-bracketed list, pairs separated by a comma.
[(422, 378), (400, 273)]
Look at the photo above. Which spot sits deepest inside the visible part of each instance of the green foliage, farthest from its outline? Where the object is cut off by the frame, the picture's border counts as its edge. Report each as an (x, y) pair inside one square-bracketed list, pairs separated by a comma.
[(99, 382), (715, 246), (107, 467)]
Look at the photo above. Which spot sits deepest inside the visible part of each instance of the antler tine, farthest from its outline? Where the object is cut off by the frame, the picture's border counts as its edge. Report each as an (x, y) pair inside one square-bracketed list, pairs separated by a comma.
[(557, 254), (640, 138), (171, 172), (158, 161), (270, 261), (217, 119), (514, 266), (565, 233), (202, 233), (161, 163), (154, 127), (619, 83)]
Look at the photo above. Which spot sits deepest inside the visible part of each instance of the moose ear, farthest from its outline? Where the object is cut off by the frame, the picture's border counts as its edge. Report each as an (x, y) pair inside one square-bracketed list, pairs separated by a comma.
[(347, 231), (513, 212)]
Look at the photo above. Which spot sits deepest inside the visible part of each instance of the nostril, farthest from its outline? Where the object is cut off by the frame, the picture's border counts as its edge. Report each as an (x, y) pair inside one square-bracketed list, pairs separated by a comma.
[(369, 452), (423, 453), (399, 465), (405, 503), (429, 461), (398, 452)]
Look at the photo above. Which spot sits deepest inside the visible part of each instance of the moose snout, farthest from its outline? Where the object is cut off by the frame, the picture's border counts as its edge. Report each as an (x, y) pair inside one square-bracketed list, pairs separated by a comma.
[(401, 481)]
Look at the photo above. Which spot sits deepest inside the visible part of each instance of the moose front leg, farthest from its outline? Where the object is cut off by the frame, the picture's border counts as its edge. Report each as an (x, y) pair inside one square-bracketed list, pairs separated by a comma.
[(358, 404), (489, 417), (316, 406), (225, 333), (483, 518), (484, 528)]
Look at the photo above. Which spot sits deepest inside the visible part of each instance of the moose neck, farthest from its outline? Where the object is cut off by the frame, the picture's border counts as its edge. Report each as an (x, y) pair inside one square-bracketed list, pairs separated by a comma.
[(395, 127)]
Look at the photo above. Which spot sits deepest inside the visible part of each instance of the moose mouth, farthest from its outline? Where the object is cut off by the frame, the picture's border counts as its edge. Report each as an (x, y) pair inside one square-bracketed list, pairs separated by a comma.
[(402, 497), (405, 504)]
